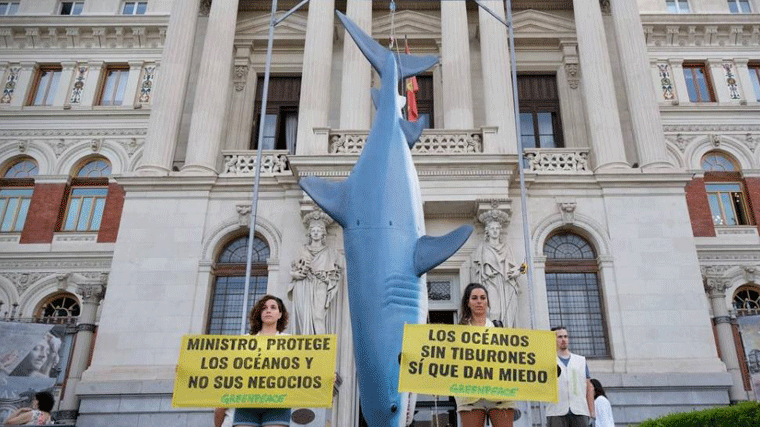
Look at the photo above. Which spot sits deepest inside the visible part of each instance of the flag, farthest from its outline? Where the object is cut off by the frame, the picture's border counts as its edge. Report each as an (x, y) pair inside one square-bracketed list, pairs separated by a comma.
[(412, 114)]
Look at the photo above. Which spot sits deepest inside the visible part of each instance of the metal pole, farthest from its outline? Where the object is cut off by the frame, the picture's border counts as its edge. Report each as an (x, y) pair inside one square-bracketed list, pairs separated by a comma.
[(257, 173), (521, 156)]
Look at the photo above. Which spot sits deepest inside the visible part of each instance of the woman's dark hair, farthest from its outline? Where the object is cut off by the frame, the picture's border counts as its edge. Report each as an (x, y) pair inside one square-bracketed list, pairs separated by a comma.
[(45, 401), (598, 389), (255, 316), (465, 307)]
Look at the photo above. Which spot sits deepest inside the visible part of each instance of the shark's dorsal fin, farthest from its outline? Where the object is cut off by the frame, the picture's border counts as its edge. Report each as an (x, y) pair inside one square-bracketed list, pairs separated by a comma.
[(328, 195), (409, 65), (431, 251), (376, 97), (413, 130)]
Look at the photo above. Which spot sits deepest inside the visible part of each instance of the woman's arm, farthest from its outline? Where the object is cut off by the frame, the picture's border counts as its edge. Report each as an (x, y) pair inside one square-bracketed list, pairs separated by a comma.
[(19, 417)]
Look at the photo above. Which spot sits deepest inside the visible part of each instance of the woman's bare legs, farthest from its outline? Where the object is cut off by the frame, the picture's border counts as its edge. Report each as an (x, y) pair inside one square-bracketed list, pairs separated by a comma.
[(474, 418), (501, 417)]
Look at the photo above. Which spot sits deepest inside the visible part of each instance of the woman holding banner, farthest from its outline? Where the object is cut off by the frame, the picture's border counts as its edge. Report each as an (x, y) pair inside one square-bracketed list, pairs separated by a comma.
[(268, 317), (473, 411)]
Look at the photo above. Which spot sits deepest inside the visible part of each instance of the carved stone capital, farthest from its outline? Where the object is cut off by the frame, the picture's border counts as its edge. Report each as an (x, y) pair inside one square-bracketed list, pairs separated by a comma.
[(716, 286), (91, 292), (495, 210)]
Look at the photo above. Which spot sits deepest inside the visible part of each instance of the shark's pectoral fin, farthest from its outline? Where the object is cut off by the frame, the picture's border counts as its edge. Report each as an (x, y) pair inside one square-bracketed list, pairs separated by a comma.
[(329, 195), (411, 65), (413, 130), (431, 251)]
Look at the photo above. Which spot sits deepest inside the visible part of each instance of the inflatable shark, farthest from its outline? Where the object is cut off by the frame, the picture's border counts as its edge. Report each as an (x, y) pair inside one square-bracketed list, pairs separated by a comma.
[(387, 252)]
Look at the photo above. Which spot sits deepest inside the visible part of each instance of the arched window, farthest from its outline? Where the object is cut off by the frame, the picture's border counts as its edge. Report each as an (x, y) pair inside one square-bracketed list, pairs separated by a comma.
[(573, 294), (59, 308), (747, 300), (16, 194), (87, 196), (725, 190), (227, 299)]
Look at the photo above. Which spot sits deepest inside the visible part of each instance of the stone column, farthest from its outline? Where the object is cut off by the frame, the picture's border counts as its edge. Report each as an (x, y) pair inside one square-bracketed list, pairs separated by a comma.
[(242, 102), (91, 293), (171, 82), (455, 64), (23, 83), (314, 105), (682, 92), (133, 82), (570, 99), (207, 124), (598, 87), (497, 78), (91, 85), (715, 286), (718, 79), (355, 99), (642, 103), (64, 84)]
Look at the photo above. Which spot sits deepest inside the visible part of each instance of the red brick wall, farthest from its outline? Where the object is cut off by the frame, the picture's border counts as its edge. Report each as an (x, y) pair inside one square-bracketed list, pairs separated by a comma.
[(109, 226), (699, 208), (752, 185), (43, 213)]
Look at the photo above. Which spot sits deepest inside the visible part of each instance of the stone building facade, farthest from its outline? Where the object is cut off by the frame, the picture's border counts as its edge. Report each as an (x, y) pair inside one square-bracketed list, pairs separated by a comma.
[(126, 150)]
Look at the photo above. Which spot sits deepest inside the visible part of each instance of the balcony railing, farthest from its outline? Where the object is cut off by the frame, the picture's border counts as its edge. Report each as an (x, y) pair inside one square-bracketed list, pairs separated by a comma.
[(244, 163), (432, 141), (557, 160)]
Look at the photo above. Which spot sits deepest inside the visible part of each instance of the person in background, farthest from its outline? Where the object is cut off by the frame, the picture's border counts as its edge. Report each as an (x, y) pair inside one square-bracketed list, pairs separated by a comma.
[(38, 414), (473, 411), (576, 394), (268, 317), (602, 406)]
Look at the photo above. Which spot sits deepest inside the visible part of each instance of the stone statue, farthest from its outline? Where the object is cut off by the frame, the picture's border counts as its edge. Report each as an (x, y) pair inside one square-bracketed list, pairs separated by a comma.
[(493, 266), (316, 277)]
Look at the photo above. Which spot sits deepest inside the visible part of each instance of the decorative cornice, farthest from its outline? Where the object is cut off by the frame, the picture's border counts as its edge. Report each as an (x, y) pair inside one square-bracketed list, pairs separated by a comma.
[(711, 128), (53, 133)]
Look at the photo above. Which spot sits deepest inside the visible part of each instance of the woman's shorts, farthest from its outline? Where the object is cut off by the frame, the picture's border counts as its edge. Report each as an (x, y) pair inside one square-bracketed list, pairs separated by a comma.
[(259, 417), (485, 405)]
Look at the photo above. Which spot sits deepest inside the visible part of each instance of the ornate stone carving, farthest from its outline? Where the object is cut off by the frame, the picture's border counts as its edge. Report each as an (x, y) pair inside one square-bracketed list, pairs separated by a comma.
[(751, 273), (696, 34), (714, 140), (557, 160), (605, 6), (716, 286), (567, 210), (131, 145), (494, 267), (95, 145), (205, 8), (665, 82), (317, 276), (10, 85), (751, 141), (58, 146), (244, 214), (86, 133), (733, 85), (146, 87), (245, 164), (23, 280), (63, 281), (241, 75), (78, 88), (431, 141), (91, 292), (23, 144), (571, 71), (53, 33)]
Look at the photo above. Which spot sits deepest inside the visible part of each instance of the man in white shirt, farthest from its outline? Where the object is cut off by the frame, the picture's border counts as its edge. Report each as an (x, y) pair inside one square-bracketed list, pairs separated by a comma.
[(576, 393)]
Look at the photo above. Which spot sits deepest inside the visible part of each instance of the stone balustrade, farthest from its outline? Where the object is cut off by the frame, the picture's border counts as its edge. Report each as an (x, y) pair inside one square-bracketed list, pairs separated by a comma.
[(432, 141), (557, 160), (273, 162)]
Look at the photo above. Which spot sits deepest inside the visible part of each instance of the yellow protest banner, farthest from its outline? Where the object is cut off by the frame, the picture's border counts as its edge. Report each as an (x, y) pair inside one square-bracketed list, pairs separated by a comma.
[(255, 371), (488, 363)]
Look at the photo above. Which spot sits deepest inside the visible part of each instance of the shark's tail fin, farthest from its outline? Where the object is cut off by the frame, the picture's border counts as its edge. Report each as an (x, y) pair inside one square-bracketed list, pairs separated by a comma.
[(409, 65)]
